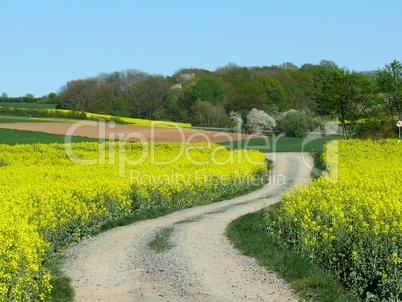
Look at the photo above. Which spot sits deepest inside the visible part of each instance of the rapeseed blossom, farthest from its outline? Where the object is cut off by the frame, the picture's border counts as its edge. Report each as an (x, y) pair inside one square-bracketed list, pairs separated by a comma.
[(350, 219), (53, 194)]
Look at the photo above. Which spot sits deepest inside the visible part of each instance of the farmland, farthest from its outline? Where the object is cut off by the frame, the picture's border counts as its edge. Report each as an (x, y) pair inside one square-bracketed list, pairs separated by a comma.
[(13, 137), (157, 131), (32, 112), (57, 193), (14, 130), (349, 220), (27, 105), (52, 195), (282, 143)]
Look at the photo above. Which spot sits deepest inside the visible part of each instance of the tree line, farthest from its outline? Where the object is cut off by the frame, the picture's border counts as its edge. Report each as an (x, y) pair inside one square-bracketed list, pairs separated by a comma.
[(197, 96), (51, 98), (206, 98)]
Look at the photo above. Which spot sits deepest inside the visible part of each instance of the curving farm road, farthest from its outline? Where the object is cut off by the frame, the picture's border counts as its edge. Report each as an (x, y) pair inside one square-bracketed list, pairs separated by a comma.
[(202, 265)]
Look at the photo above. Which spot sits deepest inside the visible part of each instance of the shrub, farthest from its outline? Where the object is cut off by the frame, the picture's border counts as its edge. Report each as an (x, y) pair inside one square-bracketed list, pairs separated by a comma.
[(259, 120), (237, 121), (295, 124), (374, 130)]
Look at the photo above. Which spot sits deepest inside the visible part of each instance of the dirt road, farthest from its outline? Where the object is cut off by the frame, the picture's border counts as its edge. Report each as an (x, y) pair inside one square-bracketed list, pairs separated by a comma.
[(202, 266)]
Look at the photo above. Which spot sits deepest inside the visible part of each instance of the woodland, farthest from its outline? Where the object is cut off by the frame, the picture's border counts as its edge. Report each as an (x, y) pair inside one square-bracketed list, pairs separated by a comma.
[(207, 98)]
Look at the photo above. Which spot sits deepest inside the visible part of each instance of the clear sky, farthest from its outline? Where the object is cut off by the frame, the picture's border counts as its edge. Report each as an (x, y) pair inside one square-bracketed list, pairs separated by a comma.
[(46, 43)]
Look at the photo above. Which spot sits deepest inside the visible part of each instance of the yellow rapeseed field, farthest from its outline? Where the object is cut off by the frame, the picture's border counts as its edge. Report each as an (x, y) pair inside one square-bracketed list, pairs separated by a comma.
[(53, 194), (350, 220)]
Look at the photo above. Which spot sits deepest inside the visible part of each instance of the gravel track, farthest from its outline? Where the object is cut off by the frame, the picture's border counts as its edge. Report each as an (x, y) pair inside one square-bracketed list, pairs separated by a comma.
[(202, 266)]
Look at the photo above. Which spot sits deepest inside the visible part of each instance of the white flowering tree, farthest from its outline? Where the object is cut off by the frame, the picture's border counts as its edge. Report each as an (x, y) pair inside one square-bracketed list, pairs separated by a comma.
[(237, 121), (283, 114), (259, 120)]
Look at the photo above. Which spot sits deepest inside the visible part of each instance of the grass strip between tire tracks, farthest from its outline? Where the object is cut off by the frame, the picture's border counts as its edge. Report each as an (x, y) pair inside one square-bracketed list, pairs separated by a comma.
[(161, 241)]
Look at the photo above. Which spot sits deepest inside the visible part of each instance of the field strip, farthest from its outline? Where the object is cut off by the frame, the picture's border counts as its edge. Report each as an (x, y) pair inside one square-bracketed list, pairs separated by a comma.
[(113, 131)]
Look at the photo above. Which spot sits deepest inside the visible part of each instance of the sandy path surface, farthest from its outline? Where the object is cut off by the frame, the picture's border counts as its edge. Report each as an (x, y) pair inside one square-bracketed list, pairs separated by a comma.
[(202, 266), (113, 131)]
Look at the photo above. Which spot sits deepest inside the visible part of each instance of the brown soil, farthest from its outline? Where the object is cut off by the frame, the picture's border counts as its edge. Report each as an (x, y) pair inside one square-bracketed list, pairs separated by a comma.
[(114, 131)]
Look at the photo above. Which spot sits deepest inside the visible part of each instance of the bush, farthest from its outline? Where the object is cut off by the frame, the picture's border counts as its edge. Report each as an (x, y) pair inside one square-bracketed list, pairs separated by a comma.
[(225, 122), (295, 124), (259, 120), (237, 121), (374, 130)]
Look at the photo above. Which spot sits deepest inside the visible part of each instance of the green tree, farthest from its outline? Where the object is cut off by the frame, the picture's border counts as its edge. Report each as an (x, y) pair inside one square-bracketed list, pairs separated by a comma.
[(347, 95), (208, 89), (249, 95), (29, 98), (389, 80), (51, 98), (288, 66), (170, 109), (207, 115), (4, 97), (328, 65), (78, 94), (285, 76), (276, 95), (119, 82), (233, 75), (303, 90), (103, 100), (146, 96), (295, 124), (120, 107)]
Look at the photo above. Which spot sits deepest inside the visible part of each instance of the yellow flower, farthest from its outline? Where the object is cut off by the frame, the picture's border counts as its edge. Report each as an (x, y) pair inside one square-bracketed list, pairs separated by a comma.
[(50, 187), (354, 209), (395, 258)]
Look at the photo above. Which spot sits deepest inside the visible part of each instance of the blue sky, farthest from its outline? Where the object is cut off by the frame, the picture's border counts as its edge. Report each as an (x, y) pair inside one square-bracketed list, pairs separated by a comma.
[(45, 43)]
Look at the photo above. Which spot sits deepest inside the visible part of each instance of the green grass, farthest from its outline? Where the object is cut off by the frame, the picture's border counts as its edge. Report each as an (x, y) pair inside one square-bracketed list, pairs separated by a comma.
[(28, 105), (190, 220), (12, 137), (313, 143), (19, 119), (144, 215), (306, 278), (161, 242), (62, 290)]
